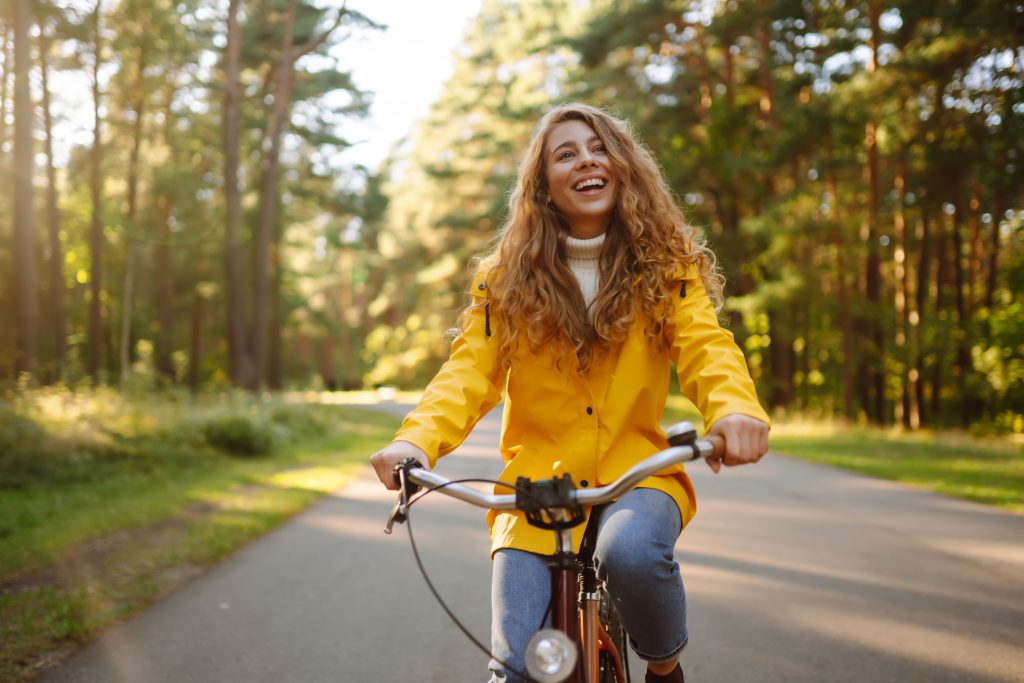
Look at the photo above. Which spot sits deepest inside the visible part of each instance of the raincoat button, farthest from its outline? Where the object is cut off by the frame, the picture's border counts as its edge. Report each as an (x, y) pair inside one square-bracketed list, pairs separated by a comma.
[(584, 483), (590, 411)]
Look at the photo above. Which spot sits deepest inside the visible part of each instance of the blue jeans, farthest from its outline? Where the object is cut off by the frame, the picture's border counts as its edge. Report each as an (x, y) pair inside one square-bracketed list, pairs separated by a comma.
[(636, 536)]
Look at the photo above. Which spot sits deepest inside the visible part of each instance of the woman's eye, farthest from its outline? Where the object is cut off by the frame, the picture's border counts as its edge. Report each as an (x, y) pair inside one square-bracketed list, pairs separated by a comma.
[(600, 148), (565, 155)]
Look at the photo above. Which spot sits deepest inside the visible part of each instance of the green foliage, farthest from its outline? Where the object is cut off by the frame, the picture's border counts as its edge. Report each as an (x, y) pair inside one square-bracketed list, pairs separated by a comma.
[(758, 112), (53, 436), (22, 459), (448, 202), (239, 435), (760, 119), (135, 533), (298, 422)]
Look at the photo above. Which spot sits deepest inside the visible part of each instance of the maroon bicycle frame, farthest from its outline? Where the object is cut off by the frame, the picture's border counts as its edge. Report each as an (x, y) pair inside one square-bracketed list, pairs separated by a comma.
[(568, 612)]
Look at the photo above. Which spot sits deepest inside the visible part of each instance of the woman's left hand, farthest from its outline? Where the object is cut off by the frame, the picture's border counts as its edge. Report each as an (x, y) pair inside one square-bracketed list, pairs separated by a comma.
[(746, 440)]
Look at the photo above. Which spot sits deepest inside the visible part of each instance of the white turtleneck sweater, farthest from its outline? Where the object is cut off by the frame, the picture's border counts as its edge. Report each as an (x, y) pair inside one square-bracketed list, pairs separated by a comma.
[(583, 261)]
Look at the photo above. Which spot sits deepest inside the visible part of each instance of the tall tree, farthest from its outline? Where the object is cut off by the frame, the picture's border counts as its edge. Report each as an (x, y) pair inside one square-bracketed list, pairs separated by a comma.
[(57, 291), (872, 367), (241, 369), (96, 239), (137, 19), (268, 234), (26, 292)]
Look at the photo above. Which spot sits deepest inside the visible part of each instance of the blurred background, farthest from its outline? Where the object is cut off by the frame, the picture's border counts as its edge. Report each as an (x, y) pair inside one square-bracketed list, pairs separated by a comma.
[(225, 224), (285, 194)]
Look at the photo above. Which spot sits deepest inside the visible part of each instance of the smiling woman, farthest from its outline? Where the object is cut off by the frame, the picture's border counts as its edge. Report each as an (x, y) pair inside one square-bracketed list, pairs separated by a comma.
[(596, 285)]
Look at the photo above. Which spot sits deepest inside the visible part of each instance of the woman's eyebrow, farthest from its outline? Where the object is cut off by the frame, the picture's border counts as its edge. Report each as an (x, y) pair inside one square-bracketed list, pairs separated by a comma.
[(572, 143)]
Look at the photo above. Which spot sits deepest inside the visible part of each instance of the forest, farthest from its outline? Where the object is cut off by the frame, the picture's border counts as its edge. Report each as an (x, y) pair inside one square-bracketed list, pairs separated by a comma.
[(178, 213)]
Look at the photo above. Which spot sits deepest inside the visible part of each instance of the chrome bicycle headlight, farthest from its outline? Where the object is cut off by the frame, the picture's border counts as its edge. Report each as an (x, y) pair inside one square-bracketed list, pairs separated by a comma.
[(550, 656)]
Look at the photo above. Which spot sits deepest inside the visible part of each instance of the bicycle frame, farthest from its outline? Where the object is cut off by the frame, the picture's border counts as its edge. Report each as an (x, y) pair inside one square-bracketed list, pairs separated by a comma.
[(575, 601)]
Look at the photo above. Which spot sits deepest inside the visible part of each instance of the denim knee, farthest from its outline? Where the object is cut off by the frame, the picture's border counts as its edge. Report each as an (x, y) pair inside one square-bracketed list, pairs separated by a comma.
[(637, 540), (634, 556), (623, 560)]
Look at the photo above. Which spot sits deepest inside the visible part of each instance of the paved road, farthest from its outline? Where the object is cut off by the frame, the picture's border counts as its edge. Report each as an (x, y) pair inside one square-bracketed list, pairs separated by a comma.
[(795, 573)]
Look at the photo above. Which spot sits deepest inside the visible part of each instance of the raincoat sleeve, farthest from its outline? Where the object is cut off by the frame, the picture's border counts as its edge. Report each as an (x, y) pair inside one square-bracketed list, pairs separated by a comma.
[(467, 386), (712, 371)]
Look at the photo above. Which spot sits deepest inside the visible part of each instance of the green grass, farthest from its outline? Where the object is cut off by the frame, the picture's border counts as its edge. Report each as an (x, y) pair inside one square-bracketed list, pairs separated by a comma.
[(987, 471), (80, 552)]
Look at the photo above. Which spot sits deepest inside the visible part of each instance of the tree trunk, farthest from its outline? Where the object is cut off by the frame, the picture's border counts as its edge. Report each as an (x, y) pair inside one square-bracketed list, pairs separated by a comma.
[(907, 407), (780, 322), (348, 377), (939, 301), (5, 79), (96, 229), (1001, 205), (9, 284), (923, 285), (325, 358), (241, 369), (268, 231), (976, 258), (275, 374), (163, 264), (874, 371), (764, 72), (163, 349), (58, 311), (26, 286), (195, 346), (963, 359), (268, 195), (127, 307), (842, 294), (993, 255)]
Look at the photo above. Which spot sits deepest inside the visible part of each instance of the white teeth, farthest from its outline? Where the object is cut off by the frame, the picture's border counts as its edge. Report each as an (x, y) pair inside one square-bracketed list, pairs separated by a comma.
[(592, 182)]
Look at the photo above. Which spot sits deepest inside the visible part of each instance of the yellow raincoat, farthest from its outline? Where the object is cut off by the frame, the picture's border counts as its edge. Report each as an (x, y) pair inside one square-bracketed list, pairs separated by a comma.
[(593, 427)]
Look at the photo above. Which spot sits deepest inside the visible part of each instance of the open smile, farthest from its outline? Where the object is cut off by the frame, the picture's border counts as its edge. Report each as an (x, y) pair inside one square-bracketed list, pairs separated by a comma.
[(590, 185)]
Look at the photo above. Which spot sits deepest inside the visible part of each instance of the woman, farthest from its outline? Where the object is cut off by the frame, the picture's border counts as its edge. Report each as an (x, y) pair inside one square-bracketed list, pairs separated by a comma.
[(595, 285)]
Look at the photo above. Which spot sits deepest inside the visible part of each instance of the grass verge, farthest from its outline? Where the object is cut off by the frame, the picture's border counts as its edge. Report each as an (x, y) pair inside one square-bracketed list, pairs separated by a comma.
[(79, 555), (985, 470)]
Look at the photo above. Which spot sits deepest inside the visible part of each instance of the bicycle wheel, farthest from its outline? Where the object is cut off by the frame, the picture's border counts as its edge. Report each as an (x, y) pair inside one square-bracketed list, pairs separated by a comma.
[(609, 669)]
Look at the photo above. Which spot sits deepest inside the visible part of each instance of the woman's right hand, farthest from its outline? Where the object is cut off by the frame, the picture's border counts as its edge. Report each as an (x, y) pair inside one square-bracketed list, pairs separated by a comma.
[(385, 460)]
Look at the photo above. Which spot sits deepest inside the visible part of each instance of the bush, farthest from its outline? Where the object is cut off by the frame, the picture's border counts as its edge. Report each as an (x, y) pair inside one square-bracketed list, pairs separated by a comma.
[(298, 422), (22, 460), (238, 435)]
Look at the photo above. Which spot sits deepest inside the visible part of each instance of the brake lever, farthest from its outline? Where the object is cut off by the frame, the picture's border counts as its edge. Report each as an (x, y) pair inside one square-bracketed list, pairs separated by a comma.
[(400, 512)]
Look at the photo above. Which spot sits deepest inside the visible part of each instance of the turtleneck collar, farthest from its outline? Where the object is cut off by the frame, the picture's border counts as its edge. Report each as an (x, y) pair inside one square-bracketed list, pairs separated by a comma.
[(584, 250)]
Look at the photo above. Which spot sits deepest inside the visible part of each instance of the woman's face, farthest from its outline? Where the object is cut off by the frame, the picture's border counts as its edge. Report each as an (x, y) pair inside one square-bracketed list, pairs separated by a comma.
[(581, 178)]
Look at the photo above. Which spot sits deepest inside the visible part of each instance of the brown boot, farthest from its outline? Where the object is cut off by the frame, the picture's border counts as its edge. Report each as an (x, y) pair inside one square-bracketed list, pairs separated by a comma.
[(674, 676)]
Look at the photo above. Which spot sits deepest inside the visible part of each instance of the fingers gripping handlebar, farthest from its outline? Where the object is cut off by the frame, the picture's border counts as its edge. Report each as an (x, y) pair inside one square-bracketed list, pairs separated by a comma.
[(407, 488)]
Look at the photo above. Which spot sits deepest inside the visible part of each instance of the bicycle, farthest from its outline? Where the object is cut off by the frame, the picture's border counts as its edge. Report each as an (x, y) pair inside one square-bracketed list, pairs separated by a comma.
[(585, 643)]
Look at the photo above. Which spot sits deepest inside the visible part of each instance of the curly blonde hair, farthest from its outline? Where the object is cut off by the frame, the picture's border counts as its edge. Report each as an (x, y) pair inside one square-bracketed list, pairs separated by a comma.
[(534, 296)]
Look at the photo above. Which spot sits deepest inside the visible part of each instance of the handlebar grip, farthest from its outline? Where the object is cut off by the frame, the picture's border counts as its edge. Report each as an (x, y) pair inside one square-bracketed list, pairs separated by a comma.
[(719, 443), (684, 434)]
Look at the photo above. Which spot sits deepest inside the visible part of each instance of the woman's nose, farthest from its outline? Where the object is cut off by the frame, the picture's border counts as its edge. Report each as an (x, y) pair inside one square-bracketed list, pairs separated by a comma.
[(586, 159)]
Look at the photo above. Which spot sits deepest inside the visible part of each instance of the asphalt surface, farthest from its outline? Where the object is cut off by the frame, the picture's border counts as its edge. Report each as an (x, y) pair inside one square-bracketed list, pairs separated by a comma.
[(795, 573)]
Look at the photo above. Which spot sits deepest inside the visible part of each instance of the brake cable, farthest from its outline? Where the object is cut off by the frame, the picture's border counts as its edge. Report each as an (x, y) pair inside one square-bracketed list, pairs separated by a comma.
[(437, 596)]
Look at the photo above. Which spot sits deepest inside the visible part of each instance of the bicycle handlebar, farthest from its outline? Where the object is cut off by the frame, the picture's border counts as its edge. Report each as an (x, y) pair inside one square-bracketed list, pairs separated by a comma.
[(690, 448)]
